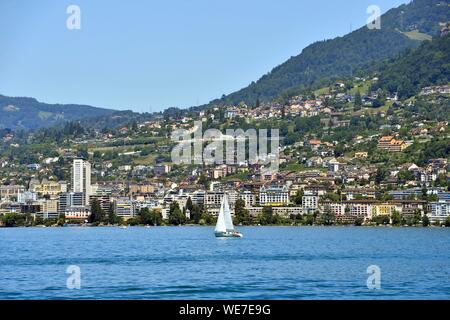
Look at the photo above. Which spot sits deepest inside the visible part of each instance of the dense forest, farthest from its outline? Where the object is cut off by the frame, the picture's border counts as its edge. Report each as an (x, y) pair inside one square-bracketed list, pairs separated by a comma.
[(425, 66), (28, 113), (341, 57)]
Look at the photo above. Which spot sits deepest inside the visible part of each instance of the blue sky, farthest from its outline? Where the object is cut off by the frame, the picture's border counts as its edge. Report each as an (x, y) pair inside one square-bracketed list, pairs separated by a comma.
[(148, 55)]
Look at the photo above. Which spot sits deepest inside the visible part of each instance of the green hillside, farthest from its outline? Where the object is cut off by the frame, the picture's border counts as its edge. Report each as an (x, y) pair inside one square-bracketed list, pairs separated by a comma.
[(28, 113), (327, 60), (427, 65)]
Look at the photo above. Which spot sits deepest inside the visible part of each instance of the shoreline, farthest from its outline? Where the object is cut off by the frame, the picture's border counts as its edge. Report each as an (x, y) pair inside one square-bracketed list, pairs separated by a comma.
[(212, 226)]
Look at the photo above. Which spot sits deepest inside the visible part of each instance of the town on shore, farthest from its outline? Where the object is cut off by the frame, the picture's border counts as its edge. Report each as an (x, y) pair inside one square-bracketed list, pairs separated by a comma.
[(303, 199), (345, 158)]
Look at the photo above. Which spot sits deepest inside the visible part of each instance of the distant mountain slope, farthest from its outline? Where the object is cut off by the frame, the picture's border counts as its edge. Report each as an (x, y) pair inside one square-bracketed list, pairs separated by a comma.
[(341, 56), (409, 73), (28, 113)]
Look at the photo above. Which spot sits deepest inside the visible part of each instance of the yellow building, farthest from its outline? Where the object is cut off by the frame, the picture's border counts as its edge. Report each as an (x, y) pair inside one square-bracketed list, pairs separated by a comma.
[(391, 144), (383, 209), (51, 188), (361, 155), (141, 188), (49, 208)]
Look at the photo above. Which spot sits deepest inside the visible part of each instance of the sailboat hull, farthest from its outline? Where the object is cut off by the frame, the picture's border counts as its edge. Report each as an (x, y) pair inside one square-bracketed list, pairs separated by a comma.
[(228, 234)]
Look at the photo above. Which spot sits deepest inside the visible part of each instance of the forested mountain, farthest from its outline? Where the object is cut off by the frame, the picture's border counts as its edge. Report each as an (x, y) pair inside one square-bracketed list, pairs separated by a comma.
[(28, 113), (427, 65), (327, 60)]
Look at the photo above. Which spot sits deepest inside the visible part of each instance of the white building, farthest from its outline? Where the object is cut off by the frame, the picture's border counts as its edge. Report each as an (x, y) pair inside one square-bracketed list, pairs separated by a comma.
[(26, 197), (213, 199), (248, 197), (273, 196), (81, 177), (162, 169), (310, 201), (440, 211), (77, 213), (198, 197), (71, 200), (125, 208)]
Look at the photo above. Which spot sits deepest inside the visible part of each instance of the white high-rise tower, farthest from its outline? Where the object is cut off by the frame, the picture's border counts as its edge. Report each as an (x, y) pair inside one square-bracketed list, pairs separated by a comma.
[(81, 177)]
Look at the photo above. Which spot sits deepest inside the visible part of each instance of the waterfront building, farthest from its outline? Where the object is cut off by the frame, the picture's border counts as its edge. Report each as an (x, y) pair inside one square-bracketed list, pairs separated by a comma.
[(273, 196), (125, 208), (384, 209), (77, 213), (248, 197), (213, 199), (286, 212), (349, 211), (49, 208), (310, 200), (198, 197), (439, 212), (81, 178), (103, 199), (71, 200)]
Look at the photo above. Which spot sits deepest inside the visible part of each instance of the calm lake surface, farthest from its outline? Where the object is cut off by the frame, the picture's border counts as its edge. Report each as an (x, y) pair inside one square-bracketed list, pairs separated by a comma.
[(190, 263)]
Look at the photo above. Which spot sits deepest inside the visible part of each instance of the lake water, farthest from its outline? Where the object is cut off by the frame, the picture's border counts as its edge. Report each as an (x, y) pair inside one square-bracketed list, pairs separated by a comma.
[(190, 263)]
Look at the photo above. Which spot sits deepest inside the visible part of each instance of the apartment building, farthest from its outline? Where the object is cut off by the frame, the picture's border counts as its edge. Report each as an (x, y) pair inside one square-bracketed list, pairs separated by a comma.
[(391, 144), (273, 196), (310, 200)]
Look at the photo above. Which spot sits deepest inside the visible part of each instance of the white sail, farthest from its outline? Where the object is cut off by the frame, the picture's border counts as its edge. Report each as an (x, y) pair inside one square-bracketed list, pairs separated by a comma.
[(227, 214), (221, 226), (224, 221)]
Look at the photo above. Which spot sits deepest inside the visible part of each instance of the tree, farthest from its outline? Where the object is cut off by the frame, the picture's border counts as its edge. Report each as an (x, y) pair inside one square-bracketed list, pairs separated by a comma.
[(97, 213), (358, 101), (145, 216), (328, 217), (447, 222), (203, 180), (82, 152), (196, 213), (380, 175), (297, 219), (156, 217), (241, 214), (189, 204), (416, 219), (298, 197), (376, 103), (405, 175), (381, 220), (339, 150), (267, 215), (207, 218), (61, 220), (13, 220), (424, 194), (176, 216), (396, 218), (310, 219), (425, 221), (112, 216)]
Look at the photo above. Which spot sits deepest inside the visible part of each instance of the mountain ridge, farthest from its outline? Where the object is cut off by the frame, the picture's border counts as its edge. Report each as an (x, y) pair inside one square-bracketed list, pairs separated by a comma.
[(341, 56), (29, 113)]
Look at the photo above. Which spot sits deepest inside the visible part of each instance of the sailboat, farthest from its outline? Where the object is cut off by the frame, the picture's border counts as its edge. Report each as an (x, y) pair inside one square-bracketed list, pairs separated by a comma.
[(224, 227)]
